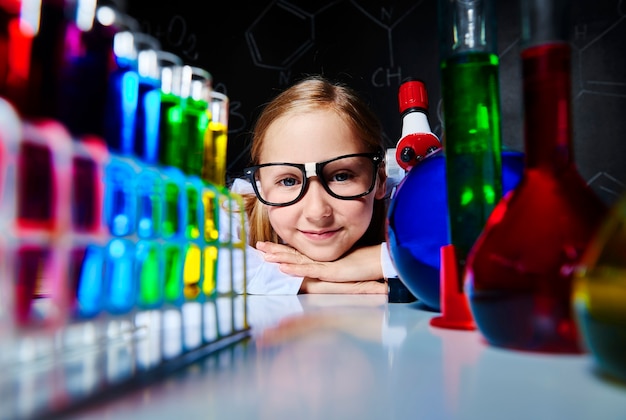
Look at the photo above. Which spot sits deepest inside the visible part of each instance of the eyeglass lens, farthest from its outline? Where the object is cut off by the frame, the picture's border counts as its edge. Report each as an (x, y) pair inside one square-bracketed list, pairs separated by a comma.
[(346, 177)]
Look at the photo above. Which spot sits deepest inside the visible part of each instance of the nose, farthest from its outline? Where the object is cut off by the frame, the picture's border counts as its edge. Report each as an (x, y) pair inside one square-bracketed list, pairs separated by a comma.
[(316, 201)]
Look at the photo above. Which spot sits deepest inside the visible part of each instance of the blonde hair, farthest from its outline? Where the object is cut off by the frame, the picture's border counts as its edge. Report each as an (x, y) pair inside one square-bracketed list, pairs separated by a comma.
[(315, 93)]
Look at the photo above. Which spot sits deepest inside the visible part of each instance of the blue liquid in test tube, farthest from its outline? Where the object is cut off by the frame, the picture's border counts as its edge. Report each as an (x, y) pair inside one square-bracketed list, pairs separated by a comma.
[(122, 96), (120, 203), (86, 268), (150, 203), (120, 282), (146, 141)]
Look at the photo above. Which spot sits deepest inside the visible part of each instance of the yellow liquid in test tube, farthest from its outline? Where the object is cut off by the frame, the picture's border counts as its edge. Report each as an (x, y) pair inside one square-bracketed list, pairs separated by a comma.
[(192, 271), (215, 149), (211, 236), (215, 140)]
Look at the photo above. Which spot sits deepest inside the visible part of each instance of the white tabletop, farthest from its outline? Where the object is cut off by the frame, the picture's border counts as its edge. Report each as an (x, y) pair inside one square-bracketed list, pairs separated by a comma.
[(358, 357)]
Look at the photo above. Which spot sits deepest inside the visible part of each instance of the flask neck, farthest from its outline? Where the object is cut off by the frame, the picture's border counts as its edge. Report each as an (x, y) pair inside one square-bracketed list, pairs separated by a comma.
[(544, 21), (467, 26), (546, 73)]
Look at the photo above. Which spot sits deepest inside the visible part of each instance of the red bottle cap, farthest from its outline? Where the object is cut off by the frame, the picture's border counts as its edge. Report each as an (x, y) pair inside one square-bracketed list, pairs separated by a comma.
[(412, 94)]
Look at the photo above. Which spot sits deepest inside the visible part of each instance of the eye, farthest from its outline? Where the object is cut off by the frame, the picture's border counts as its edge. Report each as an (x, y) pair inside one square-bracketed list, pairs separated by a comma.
[(288, 182), (341, 176)]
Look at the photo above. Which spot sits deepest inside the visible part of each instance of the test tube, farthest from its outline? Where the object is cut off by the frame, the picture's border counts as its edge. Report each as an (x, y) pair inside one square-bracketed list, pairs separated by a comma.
[(148, 255), (216, 140), (225, 273), (210, 201), (149, 274), (88, 234), (146, 137), (123, 89), (120, 199), (10, 136), (43, 177), (33, 48), (239, 261), (195, 89), (171, 112), (149, 190), (120, 282), (86, 66), (194, 228), (37, 248), (173, 233)]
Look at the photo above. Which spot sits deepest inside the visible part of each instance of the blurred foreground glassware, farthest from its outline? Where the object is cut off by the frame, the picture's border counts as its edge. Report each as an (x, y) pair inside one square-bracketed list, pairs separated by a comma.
[(599, 294), (87, 62), (519, 272)]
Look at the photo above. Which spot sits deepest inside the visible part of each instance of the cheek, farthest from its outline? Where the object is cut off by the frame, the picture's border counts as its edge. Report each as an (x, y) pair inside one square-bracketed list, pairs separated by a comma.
[(360, 215), (281, 217)]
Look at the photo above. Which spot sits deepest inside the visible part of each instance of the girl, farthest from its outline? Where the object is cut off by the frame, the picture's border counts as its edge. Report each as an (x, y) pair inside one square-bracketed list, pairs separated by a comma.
[(315, 196)]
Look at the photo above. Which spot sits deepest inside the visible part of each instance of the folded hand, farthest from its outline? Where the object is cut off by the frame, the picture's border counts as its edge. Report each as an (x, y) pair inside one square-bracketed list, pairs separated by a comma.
[(359, 271)]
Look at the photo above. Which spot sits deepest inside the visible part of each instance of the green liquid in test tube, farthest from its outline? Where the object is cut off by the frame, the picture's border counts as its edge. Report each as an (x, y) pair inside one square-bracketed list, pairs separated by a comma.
[(193, 226), (196, 86), (472, 144), (174, 214), (171, 112), (174, 205), (471, 103), (150, 284), (173, 273)]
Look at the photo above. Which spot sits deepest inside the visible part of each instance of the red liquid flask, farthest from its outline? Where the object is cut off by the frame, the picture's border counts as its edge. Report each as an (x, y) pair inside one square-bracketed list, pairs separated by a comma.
[(519, 272)]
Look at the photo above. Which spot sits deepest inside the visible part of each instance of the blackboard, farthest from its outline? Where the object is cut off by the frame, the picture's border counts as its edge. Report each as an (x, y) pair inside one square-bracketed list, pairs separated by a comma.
[(254, 49)]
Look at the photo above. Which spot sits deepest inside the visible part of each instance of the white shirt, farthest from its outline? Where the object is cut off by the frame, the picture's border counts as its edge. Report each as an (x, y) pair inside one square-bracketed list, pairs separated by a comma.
[(265, 278)]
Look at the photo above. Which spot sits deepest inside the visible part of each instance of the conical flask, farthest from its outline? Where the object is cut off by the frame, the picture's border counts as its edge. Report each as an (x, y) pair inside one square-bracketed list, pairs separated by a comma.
[(519, 272)]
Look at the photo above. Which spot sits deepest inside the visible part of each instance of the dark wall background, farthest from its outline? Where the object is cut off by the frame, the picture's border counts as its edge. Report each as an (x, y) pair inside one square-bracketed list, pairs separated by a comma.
[(254, 49)]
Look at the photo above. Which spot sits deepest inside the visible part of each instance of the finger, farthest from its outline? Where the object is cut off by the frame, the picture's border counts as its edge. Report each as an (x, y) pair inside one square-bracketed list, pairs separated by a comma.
[(286, 258), (313, 270), (359, 287), (272, 247)]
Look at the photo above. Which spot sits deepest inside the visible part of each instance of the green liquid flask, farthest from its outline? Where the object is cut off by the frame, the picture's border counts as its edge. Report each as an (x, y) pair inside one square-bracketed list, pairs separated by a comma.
[(471, 104)]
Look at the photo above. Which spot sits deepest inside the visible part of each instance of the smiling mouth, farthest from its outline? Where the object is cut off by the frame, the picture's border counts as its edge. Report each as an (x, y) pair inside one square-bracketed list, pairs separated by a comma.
[(319, 235)]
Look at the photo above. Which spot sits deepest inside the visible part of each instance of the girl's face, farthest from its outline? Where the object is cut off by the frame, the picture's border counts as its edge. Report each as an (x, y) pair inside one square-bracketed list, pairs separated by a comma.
[(319, 226)]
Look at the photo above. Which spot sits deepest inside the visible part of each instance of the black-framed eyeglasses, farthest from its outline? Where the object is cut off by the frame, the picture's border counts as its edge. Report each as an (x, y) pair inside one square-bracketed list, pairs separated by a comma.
[(345, 177)]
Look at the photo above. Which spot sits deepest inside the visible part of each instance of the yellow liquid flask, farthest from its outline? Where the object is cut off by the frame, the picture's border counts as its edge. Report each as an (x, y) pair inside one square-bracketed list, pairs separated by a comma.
[(599, 294)]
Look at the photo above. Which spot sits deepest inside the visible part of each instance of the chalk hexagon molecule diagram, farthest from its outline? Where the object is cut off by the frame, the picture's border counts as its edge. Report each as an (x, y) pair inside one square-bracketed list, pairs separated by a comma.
[(280, 35)]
